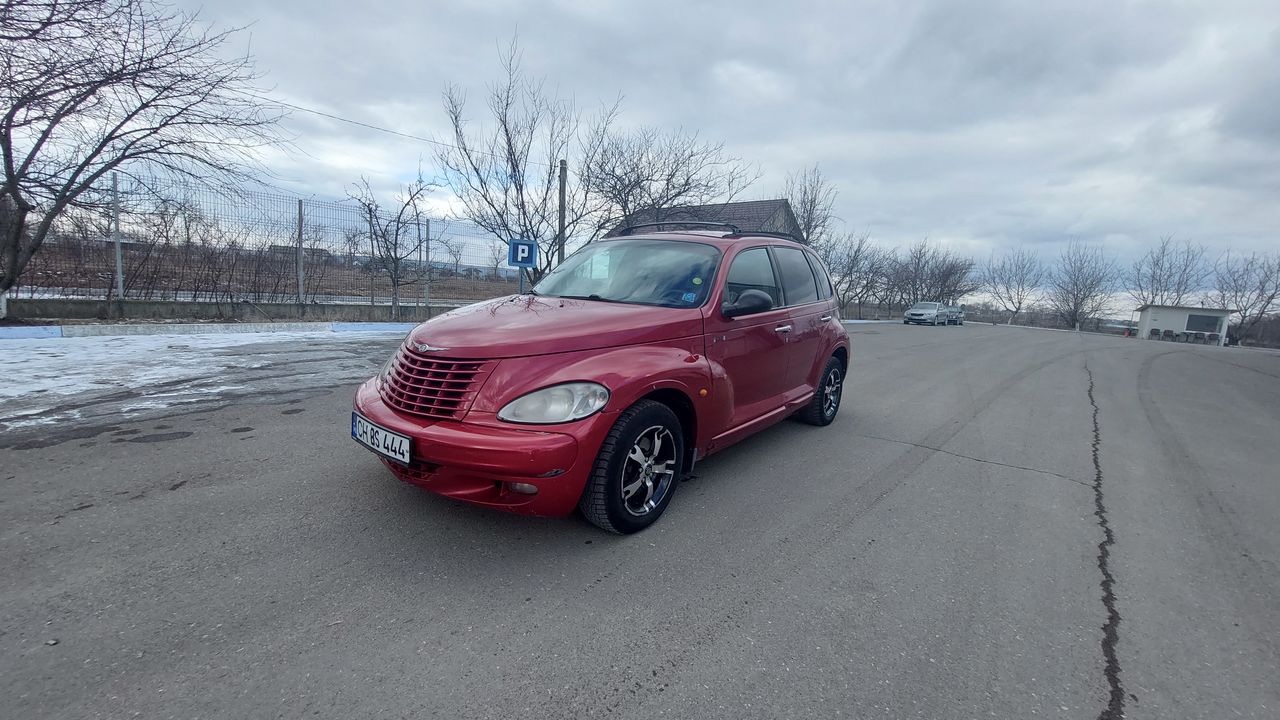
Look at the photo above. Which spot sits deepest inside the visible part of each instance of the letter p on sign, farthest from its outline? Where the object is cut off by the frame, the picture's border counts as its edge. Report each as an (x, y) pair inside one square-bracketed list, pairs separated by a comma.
[(522, 253)]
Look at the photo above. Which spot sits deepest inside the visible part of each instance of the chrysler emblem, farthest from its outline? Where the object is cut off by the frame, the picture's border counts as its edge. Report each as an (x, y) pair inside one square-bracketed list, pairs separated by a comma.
[(424, 347)]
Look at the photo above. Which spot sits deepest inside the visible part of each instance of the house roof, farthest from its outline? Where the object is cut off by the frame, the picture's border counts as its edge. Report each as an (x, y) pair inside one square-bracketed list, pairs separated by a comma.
[(748, 215), (1223, 311)]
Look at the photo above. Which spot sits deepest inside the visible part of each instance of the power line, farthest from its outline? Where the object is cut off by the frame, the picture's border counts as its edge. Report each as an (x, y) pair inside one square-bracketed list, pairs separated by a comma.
[(389, 131)]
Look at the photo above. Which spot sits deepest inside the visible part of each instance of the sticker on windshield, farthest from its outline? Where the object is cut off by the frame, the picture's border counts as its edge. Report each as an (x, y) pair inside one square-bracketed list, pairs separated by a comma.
[(697, 281), (689, 297)]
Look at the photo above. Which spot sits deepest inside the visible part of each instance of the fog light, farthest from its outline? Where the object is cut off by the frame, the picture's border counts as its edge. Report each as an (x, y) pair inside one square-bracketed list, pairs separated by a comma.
[(523, 488)]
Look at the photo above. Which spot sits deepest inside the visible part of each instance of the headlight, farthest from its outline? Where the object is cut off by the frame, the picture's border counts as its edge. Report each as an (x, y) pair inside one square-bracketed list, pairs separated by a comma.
[(385, 373), (556, 404)]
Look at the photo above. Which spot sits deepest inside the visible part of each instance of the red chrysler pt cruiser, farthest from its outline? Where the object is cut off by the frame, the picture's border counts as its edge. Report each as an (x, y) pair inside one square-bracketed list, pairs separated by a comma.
[(636, 357)]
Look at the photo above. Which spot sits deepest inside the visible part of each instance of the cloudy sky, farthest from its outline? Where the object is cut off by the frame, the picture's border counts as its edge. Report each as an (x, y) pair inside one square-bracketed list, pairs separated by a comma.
[(980, 124)]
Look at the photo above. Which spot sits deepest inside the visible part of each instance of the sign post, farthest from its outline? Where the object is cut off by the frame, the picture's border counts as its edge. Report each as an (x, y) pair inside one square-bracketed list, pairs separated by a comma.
[(522, 254)]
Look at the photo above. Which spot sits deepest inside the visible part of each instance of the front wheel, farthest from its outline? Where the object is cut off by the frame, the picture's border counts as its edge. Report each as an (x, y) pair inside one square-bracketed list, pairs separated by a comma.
[(637, 470), (822, 409)]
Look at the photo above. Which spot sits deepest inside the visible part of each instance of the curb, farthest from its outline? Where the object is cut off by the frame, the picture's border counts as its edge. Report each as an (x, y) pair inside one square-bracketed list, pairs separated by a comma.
[(32, 332)]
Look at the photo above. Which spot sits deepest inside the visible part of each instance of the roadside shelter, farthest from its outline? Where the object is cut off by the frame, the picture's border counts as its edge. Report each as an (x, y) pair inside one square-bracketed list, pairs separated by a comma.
[(1183, 323)]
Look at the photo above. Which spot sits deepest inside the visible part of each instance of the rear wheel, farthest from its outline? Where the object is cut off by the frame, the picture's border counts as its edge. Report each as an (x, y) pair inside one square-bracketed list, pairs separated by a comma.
[(637, 470), (822, 409)]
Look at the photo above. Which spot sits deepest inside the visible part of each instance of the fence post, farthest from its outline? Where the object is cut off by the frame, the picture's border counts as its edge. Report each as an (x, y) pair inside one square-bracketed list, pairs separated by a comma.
[(115, 236), (372, 256), (564, 172), (426, 286), (302, 291)]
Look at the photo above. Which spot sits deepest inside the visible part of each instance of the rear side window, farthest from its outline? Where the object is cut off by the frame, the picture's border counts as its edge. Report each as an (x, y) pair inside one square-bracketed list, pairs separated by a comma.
[(751, 270), (797, 277), (824, 281)]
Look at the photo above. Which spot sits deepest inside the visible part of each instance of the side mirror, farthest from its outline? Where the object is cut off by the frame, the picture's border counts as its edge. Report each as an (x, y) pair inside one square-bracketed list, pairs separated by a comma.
[(749, 302)]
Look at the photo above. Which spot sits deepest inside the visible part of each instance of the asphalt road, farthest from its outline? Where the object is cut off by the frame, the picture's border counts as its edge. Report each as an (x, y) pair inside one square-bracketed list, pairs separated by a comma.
[(1001, 523)]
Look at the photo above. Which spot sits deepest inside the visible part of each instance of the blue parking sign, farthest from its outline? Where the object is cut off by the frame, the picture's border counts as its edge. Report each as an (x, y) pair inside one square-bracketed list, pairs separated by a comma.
[(522, 253)]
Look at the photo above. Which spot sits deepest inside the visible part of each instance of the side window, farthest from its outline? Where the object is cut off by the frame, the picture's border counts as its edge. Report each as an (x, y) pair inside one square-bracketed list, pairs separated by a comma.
[(824, 281), (751, 270), (797, 277)]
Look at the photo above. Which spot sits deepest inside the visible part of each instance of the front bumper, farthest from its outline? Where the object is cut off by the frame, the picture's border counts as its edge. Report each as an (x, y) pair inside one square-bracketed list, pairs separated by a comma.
[(476, 460)]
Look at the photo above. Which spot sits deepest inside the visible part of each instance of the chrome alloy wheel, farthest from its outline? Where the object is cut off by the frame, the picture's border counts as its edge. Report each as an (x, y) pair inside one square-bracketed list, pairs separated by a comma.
[(649, 471), (831, 393)]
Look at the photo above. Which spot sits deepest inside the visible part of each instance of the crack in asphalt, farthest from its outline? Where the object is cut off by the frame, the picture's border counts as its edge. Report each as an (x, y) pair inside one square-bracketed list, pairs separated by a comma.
[(1050, 473), (1110, 630)]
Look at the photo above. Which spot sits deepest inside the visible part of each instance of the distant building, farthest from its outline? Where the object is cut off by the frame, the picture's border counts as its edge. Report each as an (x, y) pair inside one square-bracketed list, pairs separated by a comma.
[(1182, 322), (311, 254), (766, 215)]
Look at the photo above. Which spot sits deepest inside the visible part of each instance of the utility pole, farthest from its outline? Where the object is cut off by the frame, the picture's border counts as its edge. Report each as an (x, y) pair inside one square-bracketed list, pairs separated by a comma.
[(417, 224), (564, 173), (426, 286), (302, 293), (372, 255), (115, 235)]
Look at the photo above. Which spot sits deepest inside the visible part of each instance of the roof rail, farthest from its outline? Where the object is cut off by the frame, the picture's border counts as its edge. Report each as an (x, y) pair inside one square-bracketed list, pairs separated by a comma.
[(627, 230), (768, 233)]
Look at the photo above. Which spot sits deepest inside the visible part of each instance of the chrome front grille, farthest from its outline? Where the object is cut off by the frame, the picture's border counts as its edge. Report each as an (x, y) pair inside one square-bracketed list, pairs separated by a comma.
[(433, 387)]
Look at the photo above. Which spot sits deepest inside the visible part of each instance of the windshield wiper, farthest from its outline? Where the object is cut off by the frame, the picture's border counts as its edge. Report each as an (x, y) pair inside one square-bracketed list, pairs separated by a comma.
[(592, 296)]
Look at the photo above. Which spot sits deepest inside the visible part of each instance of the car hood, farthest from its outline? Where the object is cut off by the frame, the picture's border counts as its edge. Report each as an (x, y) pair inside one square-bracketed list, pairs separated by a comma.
[(521, 325)]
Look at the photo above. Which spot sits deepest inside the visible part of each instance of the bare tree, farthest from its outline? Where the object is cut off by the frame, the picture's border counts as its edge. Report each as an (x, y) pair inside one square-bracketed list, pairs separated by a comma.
[(857, 267), (87, 88), (396, 238), (497, 257), (507, 180), (1248, 285), (1168, 274), (643, 174), (953, 277), (1082, 284), (454, 249), (1013, 279), (928, 272), (38, 19), (812, 198)]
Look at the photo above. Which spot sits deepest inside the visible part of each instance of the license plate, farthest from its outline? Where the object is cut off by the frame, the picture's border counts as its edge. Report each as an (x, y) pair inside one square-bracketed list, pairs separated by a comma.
[(379, 439)]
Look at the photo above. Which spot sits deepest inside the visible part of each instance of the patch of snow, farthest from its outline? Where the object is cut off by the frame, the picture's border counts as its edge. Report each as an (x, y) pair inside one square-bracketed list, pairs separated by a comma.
[(38, 375)]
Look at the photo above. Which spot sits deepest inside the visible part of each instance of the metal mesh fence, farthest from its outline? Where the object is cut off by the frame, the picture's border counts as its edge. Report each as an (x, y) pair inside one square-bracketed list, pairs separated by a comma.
[(189, 243)]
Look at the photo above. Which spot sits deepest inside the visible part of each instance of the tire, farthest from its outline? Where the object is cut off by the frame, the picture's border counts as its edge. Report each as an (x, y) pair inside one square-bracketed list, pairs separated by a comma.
[(906, 322), (605, 502), (822, 409)]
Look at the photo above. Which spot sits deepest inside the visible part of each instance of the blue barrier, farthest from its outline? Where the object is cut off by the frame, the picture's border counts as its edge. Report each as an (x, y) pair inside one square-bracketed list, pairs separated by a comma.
[(371, 327), (25, 332)]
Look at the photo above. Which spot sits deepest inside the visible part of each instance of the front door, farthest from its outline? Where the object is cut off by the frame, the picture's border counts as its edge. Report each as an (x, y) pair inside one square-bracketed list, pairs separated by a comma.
[(751, 349)]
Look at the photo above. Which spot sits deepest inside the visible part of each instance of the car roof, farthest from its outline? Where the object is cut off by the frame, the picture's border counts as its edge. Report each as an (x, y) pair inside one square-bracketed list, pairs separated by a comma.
[(722, 240)]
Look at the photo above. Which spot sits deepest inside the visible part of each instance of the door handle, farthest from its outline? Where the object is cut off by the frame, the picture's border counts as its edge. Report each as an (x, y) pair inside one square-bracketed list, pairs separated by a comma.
[(783, 329), (826, 318)]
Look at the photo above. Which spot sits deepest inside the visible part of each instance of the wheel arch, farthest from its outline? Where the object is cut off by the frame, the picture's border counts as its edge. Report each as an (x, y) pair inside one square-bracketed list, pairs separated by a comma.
[(842, 354), (682, 405)]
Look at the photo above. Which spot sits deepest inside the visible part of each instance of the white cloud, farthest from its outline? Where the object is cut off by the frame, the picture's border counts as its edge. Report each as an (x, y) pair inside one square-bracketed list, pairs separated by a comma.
[(745, 84), (987, 123)]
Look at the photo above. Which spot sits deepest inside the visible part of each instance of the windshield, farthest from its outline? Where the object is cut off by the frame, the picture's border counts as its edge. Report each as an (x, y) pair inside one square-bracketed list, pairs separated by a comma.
[(644, 272), (925, 306)]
